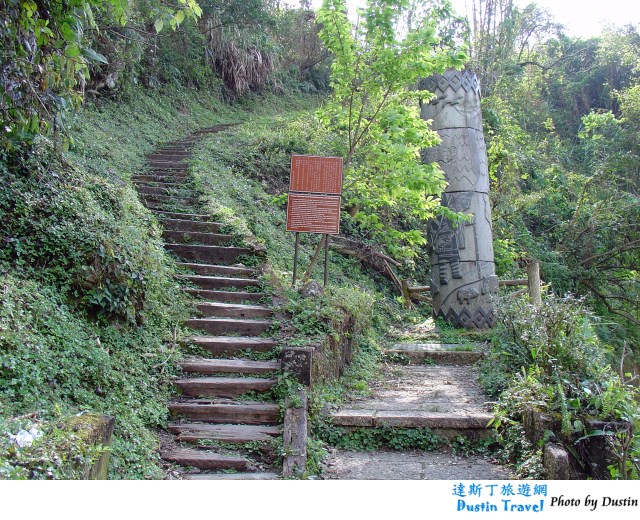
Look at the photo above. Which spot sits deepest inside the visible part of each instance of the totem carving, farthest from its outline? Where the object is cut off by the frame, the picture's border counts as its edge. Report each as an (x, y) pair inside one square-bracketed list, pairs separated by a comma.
[(463, 279)]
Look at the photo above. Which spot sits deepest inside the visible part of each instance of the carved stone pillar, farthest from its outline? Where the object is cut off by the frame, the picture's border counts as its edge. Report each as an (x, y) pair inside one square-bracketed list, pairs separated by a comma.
[(463, 279)]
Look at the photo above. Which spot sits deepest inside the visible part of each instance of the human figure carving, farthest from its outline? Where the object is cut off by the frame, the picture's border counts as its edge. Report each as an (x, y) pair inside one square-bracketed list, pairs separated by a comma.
[(463, 281)]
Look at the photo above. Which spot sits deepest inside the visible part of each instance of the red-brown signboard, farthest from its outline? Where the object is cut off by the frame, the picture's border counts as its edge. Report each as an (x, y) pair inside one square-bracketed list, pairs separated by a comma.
[(309, 213), (313, 174)]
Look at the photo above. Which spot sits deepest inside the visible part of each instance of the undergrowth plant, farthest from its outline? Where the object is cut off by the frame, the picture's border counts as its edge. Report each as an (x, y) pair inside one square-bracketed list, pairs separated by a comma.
[(550, 359)]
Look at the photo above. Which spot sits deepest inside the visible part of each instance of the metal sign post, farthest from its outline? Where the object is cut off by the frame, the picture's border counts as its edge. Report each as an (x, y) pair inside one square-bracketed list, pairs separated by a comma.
[(315, 196)]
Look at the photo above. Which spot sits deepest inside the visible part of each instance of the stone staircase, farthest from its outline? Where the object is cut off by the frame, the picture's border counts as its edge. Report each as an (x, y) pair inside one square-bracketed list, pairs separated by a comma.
[(225, 421), (438, 389)]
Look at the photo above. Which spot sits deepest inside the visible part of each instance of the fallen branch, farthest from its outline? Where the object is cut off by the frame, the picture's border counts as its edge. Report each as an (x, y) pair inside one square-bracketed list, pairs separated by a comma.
[(509, 283), (367, 255)]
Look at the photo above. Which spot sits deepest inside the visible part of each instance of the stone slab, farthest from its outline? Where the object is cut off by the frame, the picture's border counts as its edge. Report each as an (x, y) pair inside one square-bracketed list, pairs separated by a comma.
[(414, 465), (450, 389), (439, 353)]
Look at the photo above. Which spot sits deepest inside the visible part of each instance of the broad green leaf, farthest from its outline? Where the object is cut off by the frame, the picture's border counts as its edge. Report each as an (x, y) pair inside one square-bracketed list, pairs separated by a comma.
[(72, 51), (92, 55)]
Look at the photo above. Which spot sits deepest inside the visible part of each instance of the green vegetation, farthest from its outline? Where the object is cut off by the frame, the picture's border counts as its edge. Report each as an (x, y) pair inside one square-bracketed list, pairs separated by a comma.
[(374, 110), (90, 312), (560, 124), (551, 360), (370, 439)]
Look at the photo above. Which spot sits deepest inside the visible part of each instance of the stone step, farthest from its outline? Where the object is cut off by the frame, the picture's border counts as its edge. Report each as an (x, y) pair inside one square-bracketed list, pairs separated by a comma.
[(258, 475), (233, 345), (226, 412), (411, 419), (229, 366), (205, 459), (165, 178), (223, 386), (229, 326), (232, 433), (218, 282), (446, 398), (208, 254), (222, 270), (170, 215), (227, 310), (196, 237), (174, 224), (440, 353), (226, 296)]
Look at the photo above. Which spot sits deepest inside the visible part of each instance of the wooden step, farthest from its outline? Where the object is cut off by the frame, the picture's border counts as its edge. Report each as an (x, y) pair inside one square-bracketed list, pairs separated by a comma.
[(226, 412), (172, 178), (173, 224), (166, 163), (226, 296), (222, 270), (232, 433), (258, 475), (233, 345), (209, 254), (158, 184), (172, 145), (223, 386), (170, 199), (167, 206), (228, 310), (214, 129), (169, 170), (179, 150), (169, 155), (229, 366), (205, 459), (195, 237), (165, 215), (229, 326), (165, 191), (217, 282)]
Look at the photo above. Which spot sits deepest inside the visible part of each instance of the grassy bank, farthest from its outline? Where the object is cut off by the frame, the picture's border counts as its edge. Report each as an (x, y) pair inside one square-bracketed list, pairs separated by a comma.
[(90, 313)]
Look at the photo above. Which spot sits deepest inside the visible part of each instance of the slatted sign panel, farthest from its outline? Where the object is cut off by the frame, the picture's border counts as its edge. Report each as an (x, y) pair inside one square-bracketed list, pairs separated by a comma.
[(308, 213), (313, 174), (315, 193)]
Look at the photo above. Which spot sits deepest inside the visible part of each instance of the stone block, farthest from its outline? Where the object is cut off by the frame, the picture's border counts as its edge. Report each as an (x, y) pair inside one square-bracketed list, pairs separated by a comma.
[(556, 462)]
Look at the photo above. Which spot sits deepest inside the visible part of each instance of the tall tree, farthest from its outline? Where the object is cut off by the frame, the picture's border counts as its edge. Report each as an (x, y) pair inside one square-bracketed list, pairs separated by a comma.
[(375, 111)]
